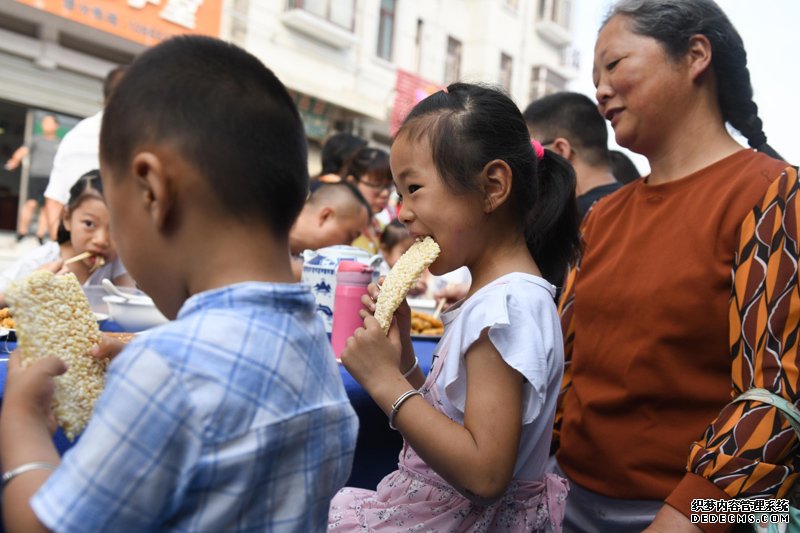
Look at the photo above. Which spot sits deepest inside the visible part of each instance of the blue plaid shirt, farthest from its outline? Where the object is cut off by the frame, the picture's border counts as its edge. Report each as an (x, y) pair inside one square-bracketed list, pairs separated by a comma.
[(231, 418)]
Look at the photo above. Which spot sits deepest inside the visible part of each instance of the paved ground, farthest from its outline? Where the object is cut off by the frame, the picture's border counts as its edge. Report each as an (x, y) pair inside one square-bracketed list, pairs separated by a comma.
[(10, 249)]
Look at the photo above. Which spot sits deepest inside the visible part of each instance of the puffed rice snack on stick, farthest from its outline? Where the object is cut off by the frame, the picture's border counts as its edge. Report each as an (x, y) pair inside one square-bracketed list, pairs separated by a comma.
[(404, 274), (53, 318)]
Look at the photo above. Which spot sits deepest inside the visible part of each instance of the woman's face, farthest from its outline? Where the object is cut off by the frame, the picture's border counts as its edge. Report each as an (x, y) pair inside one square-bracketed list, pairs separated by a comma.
[(89, 228), (640, 89), (375, 192)]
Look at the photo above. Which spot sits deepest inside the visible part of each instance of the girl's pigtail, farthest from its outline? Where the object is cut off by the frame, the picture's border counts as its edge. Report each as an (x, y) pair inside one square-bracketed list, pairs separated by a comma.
[(552, 226)]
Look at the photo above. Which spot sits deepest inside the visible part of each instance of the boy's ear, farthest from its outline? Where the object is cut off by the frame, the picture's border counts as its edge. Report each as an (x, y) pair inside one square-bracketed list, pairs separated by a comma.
[(496, 182), (324, 214), (563, 147), (155, 186)]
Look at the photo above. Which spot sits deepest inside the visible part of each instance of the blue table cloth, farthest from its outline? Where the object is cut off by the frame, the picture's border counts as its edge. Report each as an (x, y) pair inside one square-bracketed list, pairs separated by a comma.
[(377, 447)]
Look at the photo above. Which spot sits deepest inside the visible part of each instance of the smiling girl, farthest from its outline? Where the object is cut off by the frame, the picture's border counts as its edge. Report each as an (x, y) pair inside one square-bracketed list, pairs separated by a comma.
[(85, 228), (477, 430)]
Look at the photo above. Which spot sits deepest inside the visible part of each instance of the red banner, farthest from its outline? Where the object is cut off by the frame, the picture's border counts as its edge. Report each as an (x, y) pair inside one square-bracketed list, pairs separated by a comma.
[(410, 89)]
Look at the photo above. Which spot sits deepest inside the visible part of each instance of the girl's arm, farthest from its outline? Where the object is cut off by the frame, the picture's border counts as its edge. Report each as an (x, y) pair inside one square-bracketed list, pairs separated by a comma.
[(477, 458), (402, 323)]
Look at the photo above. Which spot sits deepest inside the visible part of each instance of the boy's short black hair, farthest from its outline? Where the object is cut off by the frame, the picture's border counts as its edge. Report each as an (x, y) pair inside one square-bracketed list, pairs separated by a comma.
[(112, 79), (225, 113), (330, 192), (576, 118)]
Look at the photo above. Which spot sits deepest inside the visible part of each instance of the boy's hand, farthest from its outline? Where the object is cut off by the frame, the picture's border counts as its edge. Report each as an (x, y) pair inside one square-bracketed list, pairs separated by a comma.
[(371, 356), (29, 390), (109, 347)]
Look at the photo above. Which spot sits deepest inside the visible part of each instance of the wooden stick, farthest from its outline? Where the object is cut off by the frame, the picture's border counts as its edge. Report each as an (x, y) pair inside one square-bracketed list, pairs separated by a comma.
[(79, 257), (439, 307)]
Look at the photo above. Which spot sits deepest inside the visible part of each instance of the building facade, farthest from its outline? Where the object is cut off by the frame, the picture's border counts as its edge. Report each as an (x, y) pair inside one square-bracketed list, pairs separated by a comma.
[(351, 65), (359, 65)]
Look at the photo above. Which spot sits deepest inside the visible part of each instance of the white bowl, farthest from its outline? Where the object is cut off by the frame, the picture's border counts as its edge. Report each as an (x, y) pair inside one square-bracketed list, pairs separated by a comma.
[(136, 314), (422, 305)]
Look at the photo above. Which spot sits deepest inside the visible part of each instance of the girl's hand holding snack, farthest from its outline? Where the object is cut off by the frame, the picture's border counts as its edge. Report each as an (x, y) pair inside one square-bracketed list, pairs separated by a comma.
[(402, 314), (402, 318), (372, 357)]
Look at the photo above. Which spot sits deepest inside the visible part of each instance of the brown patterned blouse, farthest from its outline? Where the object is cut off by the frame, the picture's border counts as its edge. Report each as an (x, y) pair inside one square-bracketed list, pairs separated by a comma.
[(687, 296)]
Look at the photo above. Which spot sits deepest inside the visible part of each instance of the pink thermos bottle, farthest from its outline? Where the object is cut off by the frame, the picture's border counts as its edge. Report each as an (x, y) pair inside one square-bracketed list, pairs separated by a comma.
[(352, 279)]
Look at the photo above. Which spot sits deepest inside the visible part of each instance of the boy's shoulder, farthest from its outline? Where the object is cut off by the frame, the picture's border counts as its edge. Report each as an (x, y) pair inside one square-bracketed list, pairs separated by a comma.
[(235, 363)]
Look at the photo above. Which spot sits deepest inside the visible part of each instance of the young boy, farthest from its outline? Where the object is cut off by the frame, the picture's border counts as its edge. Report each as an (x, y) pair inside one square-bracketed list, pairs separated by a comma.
[(233, 416), (335, 213)]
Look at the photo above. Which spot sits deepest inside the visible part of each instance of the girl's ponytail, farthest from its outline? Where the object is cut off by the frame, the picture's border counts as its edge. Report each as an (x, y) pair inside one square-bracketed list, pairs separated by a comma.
[(552, 221)]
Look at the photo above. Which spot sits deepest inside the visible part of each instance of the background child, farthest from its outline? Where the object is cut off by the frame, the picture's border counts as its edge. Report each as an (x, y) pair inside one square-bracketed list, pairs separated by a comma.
[(334, 213), (84, 228), (477, 432), (370, 173), (232, 416), (395, 240)]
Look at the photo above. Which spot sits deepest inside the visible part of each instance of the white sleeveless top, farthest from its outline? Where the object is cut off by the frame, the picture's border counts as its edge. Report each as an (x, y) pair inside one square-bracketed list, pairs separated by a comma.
[(524, 327)]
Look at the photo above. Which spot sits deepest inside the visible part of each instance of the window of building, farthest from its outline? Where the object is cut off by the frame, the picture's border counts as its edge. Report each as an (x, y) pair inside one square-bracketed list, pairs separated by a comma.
[(558, 11), (339, 12), (506, 64), (386, 29), (545, 81), (452, 67), (418, 45)]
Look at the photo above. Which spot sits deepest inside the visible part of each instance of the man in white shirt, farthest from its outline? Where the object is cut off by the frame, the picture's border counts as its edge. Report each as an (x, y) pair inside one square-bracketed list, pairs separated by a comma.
[(77, 154)]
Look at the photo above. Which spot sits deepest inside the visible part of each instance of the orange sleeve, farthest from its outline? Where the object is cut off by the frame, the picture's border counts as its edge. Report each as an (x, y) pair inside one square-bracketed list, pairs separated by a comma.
[(750, 449)]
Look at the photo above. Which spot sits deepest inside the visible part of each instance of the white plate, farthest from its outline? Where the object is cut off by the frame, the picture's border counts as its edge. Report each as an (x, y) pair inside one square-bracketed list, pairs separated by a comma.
[(100, 317)]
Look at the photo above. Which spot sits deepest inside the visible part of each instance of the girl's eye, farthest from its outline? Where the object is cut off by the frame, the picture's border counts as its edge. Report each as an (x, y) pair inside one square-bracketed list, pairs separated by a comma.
[(413, 188), (613, 64)]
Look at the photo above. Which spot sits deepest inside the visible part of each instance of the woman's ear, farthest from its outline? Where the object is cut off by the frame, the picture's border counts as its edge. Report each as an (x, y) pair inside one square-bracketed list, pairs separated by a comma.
[(496, 184), (155, 187), (699, 55)]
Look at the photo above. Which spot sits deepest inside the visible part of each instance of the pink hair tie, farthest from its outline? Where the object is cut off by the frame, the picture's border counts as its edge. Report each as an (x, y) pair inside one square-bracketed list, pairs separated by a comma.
[(538, 148)]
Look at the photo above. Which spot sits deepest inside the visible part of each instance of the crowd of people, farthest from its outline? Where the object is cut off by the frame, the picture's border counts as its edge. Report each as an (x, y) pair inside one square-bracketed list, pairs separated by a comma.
[(623, 347)]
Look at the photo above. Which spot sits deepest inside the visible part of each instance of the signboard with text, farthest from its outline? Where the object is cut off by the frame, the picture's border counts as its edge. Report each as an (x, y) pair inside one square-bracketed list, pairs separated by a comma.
[(143, 21)]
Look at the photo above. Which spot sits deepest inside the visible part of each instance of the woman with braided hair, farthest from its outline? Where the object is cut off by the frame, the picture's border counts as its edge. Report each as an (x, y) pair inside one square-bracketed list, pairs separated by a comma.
[(686, 294)]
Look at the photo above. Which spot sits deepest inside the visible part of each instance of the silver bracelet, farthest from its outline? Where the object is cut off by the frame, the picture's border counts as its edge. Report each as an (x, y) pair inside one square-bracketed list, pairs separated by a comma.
[(27, 467), (413, 367), (396, 405)]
